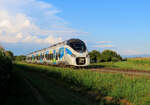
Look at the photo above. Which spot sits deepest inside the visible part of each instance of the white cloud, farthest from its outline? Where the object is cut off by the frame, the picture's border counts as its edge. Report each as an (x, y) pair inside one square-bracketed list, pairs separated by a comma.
[(131, 52), (104, 46), (103, 42), (32, 21)]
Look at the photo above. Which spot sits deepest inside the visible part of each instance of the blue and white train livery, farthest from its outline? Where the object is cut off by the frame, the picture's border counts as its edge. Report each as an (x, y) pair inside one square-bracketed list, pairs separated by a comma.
[(72, 52)]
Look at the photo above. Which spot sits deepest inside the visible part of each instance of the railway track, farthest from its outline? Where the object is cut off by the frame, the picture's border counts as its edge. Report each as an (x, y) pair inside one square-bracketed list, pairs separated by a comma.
[(122, 71), (107, 70)]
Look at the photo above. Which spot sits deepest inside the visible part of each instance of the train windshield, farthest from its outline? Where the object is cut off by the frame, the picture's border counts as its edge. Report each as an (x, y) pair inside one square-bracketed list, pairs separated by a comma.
[(77, 45)]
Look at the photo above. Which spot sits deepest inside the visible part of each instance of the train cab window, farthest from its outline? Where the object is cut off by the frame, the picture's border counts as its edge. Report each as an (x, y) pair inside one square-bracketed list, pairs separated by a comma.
[(77, 45)]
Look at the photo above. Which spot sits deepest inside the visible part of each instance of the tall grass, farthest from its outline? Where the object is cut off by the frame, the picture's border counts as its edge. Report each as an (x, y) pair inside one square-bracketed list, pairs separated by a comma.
[(134, 90)]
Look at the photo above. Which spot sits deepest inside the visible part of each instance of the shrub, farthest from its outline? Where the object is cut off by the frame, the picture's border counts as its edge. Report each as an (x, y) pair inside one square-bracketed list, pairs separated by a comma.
[(109, 55), (94, 56), (115, 59), (20, 58), (5, 72), (9, 54)]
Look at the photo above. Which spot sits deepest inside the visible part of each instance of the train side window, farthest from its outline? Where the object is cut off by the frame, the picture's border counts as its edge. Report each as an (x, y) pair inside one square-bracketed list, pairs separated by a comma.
[(56, 56), (59, 54), (40, 56), (46, 56), (52, 56), (49, 56), (43, 56)]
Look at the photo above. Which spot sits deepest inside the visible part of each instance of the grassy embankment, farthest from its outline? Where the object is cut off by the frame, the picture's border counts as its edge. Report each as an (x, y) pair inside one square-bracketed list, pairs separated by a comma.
[(19, 92), (115, 88), (131, 64), (44, 90)]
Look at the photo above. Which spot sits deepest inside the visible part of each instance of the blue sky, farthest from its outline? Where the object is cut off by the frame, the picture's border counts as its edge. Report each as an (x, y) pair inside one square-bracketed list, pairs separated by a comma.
[(120, 25)]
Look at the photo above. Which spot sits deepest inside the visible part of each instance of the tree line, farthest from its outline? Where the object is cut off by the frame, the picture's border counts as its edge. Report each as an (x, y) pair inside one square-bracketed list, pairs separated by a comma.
[(104, 56)]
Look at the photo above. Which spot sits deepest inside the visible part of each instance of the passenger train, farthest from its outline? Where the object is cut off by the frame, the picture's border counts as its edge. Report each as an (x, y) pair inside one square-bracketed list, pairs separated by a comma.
[(71, 52)]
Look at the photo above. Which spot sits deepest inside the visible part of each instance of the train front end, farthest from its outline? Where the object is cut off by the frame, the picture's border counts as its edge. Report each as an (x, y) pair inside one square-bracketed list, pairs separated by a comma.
[(77, 53)]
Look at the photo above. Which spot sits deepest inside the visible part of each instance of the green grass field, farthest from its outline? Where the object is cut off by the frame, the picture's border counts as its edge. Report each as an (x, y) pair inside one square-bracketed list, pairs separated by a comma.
[(105, 89), (131, 64)]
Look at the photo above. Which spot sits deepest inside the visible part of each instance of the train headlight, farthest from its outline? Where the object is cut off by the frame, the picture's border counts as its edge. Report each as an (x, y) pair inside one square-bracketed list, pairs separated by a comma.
[(73, 55)]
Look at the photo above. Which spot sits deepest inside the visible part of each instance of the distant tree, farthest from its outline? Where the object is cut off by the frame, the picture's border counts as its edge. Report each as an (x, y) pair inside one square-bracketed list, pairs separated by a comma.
[(9, 54), (109, 55), (1, 48), (20, 58), (94, 56)]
